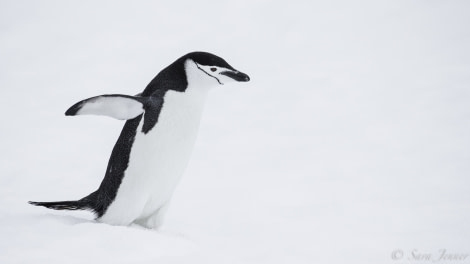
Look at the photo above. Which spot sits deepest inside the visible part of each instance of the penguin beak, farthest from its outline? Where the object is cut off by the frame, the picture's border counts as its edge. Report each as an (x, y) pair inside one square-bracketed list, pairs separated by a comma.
[(236, 75)]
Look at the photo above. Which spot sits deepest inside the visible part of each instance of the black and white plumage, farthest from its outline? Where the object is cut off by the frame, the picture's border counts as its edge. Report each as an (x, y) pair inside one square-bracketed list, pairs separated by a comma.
[(156, 141)]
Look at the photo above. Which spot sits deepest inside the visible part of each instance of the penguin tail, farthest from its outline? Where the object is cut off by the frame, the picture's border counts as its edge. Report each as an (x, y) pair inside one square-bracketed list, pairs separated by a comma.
[(63, 205)]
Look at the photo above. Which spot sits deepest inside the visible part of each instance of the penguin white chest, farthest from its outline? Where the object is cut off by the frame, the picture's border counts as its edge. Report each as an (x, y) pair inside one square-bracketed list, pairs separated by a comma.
[(158, 158)]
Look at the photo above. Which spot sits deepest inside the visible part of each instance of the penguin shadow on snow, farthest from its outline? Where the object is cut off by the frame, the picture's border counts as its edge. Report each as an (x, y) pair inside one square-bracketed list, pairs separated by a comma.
[(64, 219), (69, 220), (163, 231)]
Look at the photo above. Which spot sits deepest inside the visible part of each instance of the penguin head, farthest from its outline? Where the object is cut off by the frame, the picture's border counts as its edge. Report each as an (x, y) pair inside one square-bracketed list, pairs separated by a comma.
[(210, 69)]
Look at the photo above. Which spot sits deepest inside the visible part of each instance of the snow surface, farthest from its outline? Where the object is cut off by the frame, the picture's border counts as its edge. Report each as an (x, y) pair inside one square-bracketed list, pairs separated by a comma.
[(351, 140)]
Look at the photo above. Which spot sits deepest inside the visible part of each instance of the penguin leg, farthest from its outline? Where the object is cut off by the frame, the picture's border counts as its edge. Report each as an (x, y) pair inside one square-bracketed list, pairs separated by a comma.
[(123, 211), (155, 220)]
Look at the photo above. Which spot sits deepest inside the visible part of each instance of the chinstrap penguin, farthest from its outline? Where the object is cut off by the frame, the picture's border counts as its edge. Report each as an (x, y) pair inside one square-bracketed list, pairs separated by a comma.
[(155, 143)]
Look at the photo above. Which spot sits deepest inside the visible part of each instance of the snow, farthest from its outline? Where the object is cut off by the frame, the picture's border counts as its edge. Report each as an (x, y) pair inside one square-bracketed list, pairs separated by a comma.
[(350, 141)]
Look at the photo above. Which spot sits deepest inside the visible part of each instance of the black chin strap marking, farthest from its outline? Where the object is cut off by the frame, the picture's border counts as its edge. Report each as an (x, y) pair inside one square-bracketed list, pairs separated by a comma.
[(197, 65)]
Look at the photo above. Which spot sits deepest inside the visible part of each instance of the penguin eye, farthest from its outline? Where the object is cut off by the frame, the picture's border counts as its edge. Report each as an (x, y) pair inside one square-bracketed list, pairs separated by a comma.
[(213, 69)]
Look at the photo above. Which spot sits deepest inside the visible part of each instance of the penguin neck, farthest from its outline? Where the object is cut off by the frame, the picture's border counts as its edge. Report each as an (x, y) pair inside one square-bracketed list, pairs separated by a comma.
[(189, 104)]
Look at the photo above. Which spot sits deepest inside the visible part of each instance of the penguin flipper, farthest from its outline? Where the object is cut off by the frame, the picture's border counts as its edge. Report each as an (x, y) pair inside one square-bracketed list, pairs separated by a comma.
[(118, 106)]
